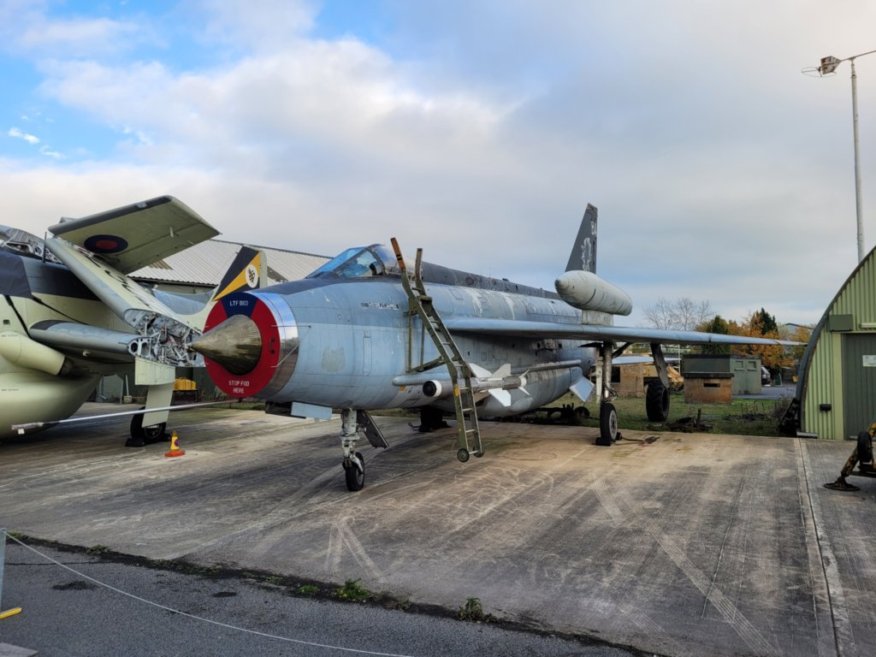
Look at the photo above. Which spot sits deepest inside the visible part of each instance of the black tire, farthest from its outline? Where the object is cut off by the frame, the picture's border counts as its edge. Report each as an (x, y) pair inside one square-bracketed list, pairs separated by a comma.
[(155, 433), (865, 447), (607, 424), (137, 426), (354, 476), (141, 435), (657, 402)]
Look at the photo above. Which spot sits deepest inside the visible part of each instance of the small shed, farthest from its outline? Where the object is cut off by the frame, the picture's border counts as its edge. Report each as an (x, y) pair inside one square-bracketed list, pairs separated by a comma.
[(745, 370), (708, 388)]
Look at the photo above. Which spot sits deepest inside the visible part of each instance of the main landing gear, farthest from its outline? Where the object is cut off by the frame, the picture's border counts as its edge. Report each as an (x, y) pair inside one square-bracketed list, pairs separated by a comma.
[(141, 436), (656, 399), (608, 432)]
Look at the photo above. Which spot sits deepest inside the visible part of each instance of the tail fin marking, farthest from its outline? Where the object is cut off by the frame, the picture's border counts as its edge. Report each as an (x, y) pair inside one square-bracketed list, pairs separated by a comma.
[(247, 272), (583, 254)]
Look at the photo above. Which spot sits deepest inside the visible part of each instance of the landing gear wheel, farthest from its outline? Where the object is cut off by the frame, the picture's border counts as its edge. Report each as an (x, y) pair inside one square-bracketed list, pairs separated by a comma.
[(141, 436), (462, 455), (657, 402), (607, 424), (431, 419), (354, 475), (155, 433)]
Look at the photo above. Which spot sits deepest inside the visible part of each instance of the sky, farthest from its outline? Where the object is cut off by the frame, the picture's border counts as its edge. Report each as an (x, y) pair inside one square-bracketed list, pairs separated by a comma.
[(477, 130)]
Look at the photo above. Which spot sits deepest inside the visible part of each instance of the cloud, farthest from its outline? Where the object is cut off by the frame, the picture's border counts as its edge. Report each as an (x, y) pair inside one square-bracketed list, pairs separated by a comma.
[(18, 134), (26, 28), (273, 24), (720, 172)]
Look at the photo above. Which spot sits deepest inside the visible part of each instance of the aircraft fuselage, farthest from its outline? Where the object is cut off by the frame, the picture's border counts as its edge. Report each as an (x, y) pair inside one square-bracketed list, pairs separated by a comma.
[(348, 343)]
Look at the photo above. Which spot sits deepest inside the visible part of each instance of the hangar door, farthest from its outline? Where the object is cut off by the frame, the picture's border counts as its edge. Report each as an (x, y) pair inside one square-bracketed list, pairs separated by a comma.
[(859, 382)]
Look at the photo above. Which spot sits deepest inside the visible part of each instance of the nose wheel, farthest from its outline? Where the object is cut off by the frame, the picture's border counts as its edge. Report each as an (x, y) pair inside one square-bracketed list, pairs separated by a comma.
[(354, 472)]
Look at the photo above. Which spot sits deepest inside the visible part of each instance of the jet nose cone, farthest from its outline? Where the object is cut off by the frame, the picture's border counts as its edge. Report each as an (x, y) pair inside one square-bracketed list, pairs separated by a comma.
[(235, 344)]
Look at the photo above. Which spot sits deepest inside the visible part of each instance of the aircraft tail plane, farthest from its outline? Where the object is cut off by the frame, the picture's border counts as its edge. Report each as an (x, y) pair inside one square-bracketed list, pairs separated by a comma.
[(583, 256)]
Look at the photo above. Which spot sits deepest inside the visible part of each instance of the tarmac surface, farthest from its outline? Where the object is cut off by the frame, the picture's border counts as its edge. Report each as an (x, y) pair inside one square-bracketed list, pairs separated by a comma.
[(67, 613), (692, 544)]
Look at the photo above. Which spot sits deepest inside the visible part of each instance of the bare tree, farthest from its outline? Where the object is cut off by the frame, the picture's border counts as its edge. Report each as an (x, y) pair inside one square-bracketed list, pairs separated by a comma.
[(683, 314)]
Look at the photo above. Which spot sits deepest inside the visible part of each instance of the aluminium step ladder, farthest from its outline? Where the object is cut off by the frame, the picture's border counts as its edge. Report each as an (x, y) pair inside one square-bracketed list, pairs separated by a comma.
[(420, 303)]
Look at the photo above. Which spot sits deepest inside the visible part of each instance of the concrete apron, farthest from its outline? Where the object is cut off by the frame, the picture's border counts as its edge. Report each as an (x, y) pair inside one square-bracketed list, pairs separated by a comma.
[(693, 544)]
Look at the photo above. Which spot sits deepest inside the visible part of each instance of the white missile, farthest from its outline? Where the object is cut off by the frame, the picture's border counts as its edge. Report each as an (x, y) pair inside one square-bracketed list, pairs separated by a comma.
[(586, 291)]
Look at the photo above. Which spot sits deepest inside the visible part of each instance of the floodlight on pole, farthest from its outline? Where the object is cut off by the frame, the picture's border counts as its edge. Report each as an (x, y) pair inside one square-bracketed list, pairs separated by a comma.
[(828, 66)]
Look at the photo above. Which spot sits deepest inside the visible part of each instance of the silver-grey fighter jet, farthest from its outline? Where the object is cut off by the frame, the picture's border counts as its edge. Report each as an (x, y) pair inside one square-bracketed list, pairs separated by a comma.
[(369, 331)]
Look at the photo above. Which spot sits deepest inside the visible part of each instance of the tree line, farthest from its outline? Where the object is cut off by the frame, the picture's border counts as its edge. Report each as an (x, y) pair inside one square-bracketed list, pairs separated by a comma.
[(683, 314)]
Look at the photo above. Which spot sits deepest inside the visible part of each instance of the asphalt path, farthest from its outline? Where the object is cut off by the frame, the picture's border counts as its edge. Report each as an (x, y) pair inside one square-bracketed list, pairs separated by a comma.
[(680, 544), (78, 605)]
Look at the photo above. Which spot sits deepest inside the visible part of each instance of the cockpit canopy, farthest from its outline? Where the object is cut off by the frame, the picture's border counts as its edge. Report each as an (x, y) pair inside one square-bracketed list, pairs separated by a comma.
[(358, 262)]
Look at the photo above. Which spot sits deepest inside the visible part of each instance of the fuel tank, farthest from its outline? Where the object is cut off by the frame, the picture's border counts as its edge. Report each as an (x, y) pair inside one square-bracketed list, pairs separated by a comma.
[(586, 291)]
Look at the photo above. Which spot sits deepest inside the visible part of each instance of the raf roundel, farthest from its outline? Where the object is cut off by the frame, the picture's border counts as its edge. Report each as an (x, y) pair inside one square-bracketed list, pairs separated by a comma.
[(106, 244)]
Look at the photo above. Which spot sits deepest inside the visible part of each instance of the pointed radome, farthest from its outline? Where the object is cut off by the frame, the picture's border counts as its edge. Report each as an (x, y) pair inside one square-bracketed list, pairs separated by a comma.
[(235, 344)]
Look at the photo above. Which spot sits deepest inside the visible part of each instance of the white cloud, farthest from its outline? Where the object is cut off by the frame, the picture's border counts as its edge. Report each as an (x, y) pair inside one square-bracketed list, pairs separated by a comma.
[(720, 172), (18, 134), (270, 25), (52, 153), (77, 37)]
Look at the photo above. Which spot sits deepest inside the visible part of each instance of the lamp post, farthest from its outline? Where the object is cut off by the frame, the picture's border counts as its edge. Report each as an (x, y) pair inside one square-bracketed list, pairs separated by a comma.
[(827, 67)]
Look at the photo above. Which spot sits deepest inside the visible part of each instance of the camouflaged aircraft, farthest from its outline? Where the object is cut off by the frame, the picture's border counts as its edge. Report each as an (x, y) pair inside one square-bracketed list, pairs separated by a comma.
[(71, 313), (368, 330)]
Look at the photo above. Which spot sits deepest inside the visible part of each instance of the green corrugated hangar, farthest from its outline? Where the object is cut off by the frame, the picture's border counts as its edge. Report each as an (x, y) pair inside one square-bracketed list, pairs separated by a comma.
[(837, 385)]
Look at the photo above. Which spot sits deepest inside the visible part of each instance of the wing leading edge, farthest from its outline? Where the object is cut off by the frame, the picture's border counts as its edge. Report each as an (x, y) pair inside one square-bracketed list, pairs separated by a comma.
[(530, 329)]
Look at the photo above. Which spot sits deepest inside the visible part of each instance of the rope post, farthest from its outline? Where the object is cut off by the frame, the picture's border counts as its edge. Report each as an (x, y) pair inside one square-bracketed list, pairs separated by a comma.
[(16, 610)]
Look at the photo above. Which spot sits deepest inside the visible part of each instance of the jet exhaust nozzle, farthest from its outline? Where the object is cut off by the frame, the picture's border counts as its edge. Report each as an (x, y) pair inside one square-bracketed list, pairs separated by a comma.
[(235, 344), (433, 389)]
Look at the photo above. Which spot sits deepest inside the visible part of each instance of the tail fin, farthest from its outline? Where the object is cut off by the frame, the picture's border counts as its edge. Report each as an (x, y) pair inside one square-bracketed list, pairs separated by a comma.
[(583, 254), (249, 271)]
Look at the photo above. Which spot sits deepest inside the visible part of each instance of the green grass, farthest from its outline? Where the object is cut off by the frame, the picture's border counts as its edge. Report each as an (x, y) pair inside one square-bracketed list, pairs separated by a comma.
[(353, 591), (749, 417)]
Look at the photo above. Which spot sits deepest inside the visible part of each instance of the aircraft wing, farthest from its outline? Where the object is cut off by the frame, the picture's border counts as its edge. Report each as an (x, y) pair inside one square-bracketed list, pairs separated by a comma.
[(120, 293), (165, 333), (598, 332), (137, 235)]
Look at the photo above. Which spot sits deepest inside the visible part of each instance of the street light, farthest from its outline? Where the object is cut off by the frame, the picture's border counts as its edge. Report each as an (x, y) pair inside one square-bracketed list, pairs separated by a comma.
[(828, 66)]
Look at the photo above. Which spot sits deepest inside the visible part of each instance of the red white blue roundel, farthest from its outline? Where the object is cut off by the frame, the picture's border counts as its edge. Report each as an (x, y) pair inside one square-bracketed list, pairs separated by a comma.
[(106, 244)]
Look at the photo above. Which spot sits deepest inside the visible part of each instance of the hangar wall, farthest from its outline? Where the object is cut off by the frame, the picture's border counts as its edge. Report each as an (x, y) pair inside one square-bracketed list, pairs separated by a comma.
[(837, 385)]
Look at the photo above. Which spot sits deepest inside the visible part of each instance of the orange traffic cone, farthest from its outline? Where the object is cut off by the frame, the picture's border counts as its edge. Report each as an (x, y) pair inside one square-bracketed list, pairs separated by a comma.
[(175, 449)]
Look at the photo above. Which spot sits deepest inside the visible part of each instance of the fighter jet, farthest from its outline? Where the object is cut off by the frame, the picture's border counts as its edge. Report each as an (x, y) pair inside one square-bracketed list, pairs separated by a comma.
[(71, 313), (369, 331)]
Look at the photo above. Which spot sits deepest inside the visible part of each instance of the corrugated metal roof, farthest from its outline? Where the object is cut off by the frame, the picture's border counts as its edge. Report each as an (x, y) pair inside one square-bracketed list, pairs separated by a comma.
[(205, 263), (821, 377)]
